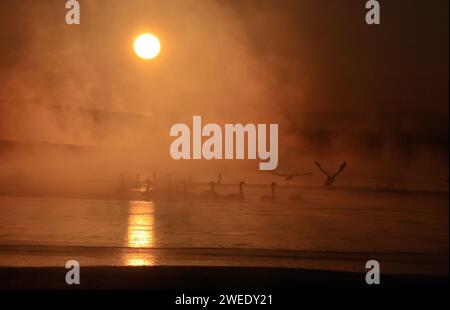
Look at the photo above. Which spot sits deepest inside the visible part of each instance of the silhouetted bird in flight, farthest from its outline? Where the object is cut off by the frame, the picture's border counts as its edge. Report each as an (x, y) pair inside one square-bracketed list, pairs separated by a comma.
[(331, 178)]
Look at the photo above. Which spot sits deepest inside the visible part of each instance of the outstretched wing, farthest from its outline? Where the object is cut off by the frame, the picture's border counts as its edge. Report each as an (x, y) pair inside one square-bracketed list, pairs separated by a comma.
[(320, 167), (341, 168)]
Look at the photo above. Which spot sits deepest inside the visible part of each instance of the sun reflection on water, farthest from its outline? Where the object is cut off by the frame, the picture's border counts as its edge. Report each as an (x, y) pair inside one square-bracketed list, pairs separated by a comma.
[(140, 233)]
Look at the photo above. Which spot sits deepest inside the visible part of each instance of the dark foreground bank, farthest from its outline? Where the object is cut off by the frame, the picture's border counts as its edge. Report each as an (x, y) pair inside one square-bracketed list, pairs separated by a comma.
[(206, 278)]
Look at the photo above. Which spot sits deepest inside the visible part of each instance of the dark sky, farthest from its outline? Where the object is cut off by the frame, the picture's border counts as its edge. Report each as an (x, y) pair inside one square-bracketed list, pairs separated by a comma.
[(400, 65)]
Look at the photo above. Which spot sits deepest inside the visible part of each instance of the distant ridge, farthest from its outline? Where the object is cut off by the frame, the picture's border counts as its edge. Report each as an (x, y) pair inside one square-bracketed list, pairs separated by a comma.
[(9, 145), (62, 107)]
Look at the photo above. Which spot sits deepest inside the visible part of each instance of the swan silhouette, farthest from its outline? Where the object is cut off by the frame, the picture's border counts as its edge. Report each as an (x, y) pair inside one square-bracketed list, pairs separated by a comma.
[(149, 190), (331, 178), (273, 196), (148, 185), (210, 194), (235, 197), (185, 195), (160, 194)]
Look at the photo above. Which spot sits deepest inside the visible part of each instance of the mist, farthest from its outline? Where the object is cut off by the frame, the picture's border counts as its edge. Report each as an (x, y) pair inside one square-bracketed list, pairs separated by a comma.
[(78, 106)]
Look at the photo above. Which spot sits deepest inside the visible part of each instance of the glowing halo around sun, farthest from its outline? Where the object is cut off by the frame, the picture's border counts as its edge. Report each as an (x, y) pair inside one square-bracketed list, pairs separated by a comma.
[(147, 46)]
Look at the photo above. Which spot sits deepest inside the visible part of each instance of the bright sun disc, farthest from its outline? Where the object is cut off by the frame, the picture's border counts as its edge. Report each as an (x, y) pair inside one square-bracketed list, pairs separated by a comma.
[(147, 46)]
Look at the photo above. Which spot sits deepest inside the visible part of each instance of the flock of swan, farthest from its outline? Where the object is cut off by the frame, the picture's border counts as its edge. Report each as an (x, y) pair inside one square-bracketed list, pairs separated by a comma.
[(168, 193)]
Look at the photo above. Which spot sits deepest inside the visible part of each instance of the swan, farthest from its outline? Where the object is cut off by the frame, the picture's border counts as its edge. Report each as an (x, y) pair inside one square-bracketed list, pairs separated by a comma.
[(149, 190), (210, 194), (152, 193), (148, 185), (331, 178), (125, 189), (184, 194), (219, 179), (273, 196), (235, 197)]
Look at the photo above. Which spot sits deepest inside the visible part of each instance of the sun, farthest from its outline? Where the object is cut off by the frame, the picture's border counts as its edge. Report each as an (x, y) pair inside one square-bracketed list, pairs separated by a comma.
[(147, 46)]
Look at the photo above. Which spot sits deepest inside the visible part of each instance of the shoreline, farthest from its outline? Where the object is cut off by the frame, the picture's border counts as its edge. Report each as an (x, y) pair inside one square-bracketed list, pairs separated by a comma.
[(205, 278), (137, 194)]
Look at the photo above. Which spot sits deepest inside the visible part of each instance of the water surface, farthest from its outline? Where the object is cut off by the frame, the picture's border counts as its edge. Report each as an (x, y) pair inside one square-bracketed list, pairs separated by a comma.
[(327, 229)]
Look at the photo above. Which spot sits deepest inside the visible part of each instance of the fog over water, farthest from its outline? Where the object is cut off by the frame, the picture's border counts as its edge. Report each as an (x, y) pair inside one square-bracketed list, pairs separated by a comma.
[(76, 103)]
